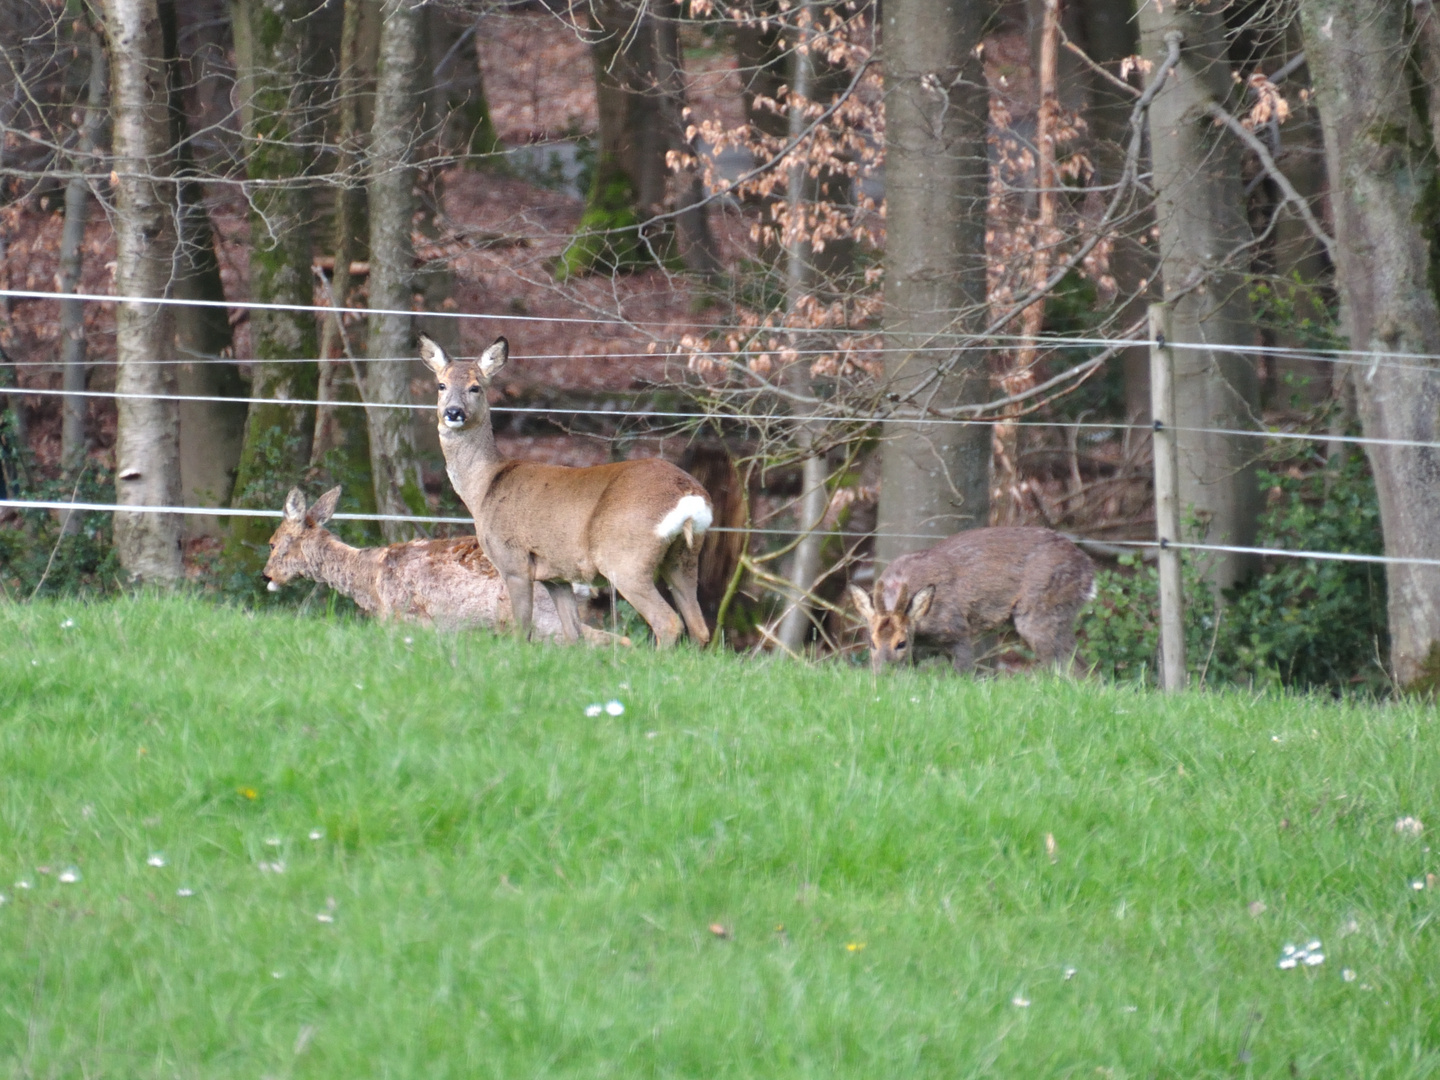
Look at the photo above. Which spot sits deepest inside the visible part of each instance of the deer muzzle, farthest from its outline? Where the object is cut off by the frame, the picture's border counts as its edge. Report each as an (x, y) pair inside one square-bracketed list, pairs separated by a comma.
[(453, 416)]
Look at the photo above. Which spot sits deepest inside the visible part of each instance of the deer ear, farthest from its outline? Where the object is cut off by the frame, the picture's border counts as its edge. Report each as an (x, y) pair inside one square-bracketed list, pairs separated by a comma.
[(294, 505), (862, 603), (324, 508), (921, 604), (433, 355), (493, 358)]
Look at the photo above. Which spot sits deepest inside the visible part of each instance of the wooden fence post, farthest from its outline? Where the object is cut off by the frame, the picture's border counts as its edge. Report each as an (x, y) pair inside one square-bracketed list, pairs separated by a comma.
[(1167, 502)]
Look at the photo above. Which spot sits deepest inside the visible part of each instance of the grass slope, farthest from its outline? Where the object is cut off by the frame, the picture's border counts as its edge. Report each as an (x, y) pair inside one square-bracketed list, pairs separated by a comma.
[(510, 888)]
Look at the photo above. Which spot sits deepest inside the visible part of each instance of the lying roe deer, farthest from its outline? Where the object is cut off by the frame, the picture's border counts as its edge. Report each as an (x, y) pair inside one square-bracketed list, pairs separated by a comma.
[(975, 582), (626, 522), (449, 583)]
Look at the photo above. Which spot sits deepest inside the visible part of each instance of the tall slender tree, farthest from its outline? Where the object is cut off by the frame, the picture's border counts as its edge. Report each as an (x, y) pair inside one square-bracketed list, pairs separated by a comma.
[(394, 144), (147, 438), (72, 246)]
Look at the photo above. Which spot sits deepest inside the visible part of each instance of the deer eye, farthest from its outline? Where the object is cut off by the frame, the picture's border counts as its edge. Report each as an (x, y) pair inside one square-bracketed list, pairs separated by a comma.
[(475, 389), (900, 646), (440, 386)]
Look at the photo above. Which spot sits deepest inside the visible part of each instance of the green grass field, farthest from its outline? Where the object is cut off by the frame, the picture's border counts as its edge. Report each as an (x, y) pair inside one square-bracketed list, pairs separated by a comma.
[(478, 880)]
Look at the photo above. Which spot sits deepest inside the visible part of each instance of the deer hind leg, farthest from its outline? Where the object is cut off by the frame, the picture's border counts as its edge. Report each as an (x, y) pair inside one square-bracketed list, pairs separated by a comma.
[(1050, 634), (565, 607), (645, 598), (681, 571)]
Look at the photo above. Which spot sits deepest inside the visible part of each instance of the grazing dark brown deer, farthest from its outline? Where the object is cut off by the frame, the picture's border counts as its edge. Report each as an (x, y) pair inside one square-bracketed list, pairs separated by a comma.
[(448, 583), (975, 582), (626, 522)]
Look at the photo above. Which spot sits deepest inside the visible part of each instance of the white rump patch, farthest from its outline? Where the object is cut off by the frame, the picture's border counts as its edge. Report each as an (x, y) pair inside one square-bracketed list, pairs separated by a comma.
[(1094, 589), (689, 508)]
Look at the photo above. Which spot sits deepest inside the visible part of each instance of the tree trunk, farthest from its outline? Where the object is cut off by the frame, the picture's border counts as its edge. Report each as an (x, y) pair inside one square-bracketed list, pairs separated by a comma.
[(1382, 181), (1108, 28), (211, 432), (1200, 208), (341, 447), (272, 57), (393, 143), (640, 97), (934, 477), (147, 439), (73, 443), (800, 281)]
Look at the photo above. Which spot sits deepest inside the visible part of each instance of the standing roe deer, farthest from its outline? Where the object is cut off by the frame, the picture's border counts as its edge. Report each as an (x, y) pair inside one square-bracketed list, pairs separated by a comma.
[(978, 581), (625, 522), (449, 583)]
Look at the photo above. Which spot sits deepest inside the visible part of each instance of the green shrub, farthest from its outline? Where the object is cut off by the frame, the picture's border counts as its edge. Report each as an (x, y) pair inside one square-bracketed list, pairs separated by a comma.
[(1303, 623)]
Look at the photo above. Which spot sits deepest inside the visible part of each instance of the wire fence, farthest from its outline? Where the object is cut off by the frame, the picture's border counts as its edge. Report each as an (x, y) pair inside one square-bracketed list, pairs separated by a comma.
[(959, 340), (62, 506), (1338, 356)]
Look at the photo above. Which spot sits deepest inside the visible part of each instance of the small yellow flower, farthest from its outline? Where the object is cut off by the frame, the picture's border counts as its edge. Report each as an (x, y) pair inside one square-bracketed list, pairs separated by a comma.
[(248, 792), (854, 946)]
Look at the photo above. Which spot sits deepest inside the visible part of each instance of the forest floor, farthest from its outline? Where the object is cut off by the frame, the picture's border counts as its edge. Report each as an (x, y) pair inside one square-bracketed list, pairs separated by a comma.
[(355, 848)]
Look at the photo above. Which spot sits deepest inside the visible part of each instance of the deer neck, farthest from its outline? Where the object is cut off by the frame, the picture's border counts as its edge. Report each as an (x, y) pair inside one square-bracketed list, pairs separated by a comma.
[(345, 569), (471, 462)]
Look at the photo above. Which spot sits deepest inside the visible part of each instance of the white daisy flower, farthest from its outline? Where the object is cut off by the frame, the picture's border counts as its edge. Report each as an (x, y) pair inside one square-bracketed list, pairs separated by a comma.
[(70, 875), (156, 859), (614, 708)]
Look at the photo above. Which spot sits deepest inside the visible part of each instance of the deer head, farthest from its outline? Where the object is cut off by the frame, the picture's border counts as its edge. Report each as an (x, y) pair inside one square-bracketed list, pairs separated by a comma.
[(462, 383), (892, 633), (285, 562)]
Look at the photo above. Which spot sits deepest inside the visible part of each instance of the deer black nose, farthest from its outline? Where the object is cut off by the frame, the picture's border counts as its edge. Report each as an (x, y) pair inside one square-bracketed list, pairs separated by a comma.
[(454, 415)]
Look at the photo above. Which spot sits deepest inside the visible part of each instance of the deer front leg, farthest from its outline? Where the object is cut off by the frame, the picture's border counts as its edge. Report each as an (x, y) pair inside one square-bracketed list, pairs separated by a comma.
[(565, 607), (962, 655), (522, 601)]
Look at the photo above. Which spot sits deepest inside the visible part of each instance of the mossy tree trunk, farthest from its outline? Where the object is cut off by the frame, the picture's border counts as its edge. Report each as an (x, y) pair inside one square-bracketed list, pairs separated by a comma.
[(394, 145), (276, 118), (640, 98), (1381, 162), (340, 450)]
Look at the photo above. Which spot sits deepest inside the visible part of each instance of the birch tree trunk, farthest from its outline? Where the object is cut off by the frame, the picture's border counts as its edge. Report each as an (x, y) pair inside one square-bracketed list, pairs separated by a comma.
[(147, 439), (1381, 164), (394, 141), (934, 477), (1200, 209), (800, 281), (271, 50)]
